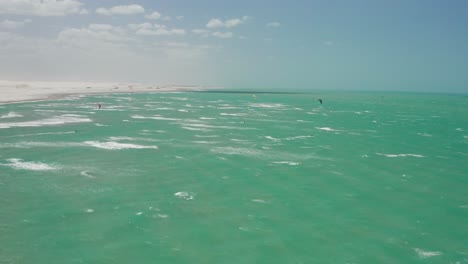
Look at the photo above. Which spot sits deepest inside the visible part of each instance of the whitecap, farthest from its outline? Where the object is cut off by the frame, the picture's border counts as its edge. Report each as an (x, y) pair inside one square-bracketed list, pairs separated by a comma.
[(184, 195), (298, 137), (459, 129), (139, 213), (291, 163), (86, 174), (11, 115), (162, 215), (232, 114), (326, 129), (236, 151), (272, 138), (89, 211), (28, 165), (424, 134), (264, 105), (427, 254), (57, 120), (259, 201), (154, 117), (115, 145), (207, 118), (400, 155)]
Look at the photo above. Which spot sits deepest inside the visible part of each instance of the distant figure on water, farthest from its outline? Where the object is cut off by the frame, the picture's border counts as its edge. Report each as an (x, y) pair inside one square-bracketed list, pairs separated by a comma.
[(99, 106), (320, 100)]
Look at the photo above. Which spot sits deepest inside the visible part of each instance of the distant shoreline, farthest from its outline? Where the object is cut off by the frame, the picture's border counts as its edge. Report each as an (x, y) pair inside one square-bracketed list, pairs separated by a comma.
[(18, 92)]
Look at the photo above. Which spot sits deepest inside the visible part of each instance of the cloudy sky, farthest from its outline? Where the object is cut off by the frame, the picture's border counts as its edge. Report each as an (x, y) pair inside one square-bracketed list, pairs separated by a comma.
[(419, 45)]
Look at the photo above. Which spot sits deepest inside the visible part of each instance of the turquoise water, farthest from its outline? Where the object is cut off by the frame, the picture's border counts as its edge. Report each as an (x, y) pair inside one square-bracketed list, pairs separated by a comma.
[(233, 178)]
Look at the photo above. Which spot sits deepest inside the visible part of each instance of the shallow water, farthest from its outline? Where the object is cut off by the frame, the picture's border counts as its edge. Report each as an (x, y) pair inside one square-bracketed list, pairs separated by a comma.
[(232, 178)]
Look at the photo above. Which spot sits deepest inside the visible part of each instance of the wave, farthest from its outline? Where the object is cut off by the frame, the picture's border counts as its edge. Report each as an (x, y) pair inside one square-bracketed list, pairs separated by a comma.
[(112, 145), (29, 165), (400, 155), (291, 163), (11, 115), (57, 120), (327, 129), (155, 118), (184, 195), (264, 105), (426, 254)]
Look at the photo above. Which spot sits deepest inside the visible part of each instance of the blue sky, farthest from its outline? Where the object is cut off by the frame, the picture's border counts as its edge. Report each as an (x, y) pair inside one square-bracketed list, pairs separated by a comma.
[(347, 45)]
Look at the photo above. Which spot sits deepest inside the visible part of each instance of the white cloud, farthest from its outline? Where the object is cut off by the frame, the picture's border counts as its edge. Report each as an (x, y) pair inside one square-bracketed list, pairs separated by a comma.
[(223, 34), (41, 7), (166, 18), (141, 26), (11, 24), (230, 23), (273, 24), (201, 32), (155, 15), (121, 10), (102, 33), (161, 32)]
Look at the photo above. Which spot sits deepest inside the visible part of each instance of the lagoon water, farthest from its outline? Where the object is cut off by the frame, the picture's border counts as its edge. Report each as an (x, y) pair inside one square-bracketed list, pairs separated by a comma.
[(235, 178)]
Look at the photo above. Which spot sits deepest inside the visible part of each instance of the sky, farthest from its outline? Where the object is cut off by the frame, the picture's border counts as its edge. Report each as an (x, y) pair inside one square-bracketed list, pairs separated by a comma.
[(404, 45)]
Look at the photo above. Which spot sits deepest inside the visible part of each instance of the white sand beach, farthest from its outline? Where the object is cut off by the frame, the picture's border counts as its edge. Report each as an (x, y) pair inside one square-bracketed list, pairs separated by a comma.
[(16, 91)]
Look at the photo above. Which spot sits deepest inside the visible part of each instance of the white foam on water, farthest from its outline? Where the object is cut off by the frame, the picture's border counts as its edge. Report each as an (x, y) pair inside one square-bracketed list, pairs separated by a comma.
[(459, 129), (28, 165), (327, 129), (400, 155), (11, 115), (100, 125), (183, 110), (207, 118), (184, 195), (291, 163), (57, 120), (154, 118), (139, 213), (298, 137), (465, 136), (311, 113), (264, 105), (233, 114), (198, 125), (239, 140), (45, 133), (427, 254), (206, 136), (86, 174), (204, 142), (89, 211), (272, 138), (236, 151), (259, 201), (424, 135), (112, 145), (30, 144), (164, 108), (131, 139), (162, 215), (195, 128)]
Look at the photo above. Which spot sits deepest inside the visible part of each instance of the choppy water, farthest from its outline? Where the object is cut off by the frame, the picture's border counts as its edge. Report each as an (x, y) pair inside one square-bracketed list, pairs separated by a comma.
[(230, 178)]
